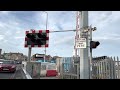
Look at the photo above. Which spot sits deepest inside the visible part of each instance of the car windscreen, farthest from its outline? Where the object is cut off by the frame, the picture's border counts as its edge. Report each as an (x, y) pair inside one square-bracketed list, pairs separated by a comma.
[(8, 62)]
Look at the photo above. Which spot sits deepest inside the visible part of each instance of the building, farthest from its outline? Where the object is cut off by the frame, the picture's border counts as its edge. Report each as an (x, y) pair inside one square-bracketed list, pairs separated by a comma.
[(14, 56), (37, 57)]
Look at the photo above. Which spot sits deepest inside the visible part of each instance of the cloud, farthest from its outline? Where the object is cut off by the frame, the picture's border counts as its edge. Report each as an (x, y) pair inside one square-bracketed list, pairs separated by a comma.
[(100, 18), (59, 21), (105, 23), (62, 41), (4, 41), (1, 37), (56, 19), (107, 33), (8, 32), (19, 37), (5, 12), (110, 37)]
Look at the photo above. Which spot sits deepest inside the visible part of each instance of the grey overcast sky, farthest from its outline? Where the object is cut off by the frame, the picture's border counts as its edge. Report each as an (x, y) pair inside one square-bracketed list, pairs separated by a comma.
[(13, 25)]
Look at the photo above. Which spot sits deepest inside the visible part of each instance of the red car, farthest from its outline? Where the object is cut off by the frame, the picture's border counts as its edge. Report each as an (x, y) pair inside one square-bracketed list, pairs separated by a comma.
[(7, 66)]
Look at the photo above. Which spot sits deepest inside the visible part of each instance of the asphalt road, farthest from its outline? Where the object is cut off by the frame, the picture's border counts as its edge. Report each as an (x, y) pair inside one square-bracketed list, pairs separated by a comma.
[(16, 75), (5, 75)]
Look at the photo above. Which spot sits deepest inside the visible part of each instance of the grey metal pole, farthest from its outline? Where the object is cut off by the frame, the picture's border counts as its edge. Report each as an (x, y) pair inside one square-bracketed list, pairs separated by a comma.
[(114, 68), (84, 62), (46, 29), (118, 68), (90, 53), (29, 54)]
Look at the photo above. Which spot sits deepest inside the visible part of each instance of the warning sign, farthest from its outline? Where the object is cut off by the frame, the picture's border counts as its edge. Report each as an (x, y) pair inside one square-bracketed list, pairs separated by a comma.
[(81, 43)]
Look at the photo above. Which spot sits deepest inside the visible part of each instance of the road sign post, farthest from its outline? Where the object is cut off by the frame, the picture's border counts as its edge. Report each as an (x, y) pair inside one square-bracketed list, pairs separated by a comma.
[(29, 54), (90, 53)]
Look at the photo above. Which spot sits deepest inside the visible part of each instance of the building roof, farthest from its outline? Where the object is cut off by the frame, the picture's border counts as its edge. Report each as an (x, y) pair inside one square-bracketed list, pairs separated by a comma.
[(100, 58), (13, 53)]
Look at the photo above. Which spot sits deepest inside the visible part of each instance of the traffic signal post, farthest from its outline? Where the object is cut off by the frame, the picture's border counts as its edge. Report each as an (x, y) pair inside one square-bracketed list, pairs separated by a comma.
[(86, 33), (90, 53), (93, 45), (29, 54), (84, 60), (90, 31)]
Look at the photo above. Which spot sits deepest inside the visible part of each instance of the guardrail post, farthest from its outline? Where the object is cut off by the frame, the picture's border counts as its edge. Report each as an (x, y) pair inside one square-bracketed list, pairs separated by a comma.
[(118, 73), (114, 67)]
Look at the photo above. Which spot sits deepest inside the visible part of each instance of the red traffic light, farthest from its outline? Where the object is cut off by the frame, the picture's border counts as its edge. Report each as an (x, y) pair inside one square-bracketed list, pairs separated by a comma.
[(38, 38)]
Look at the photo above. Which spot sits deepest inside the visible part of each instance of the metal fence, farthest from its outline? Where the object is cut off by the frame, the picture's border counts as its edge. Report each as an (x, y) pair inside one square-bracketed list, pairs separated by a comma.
[(102, 68), (34, 69), (72, 73), (70, 70), (107, 68)]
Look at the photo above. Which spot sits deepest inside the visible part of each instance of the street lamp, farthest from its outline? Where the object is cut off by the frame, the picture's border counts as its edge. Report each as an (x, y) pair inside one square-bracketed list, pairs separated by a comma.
[(46, 29)]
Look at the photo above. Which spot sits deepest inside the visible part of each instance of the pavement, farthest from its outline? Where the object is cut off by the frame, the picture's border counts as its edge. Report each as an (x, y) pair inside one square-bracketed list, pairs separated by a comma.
[(5, 75)]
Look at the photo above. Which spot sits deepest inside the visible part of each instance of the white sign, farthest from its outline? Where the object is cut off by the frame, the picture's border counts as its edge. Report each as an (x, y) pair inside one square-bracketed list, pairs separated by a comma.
[(81, 43), (38, 55)]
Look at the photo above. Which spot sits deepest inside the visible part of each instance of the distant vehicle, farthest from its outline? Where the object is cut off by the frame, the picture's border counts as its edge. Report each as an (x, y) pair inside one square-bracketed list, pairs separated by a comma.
[(18, 62), (7, 66)]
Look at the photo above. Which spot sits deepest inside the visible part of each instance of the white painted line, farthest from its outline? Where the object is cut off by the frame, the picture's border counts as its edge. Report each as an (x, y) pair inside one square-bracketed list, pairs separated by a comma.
[(27, 75)]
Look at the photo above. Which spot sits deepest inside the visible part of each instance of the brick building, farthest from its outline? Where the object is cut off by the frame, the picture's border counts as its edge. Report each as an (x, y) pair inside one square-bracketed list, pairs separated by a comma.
[(41, 57), (14, 56)]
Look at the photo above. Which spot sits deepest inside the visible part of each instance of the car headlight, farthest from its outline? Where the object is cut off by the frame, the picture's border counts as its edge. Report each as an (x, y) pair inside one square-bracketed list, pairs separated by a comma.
[(13, 67)]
